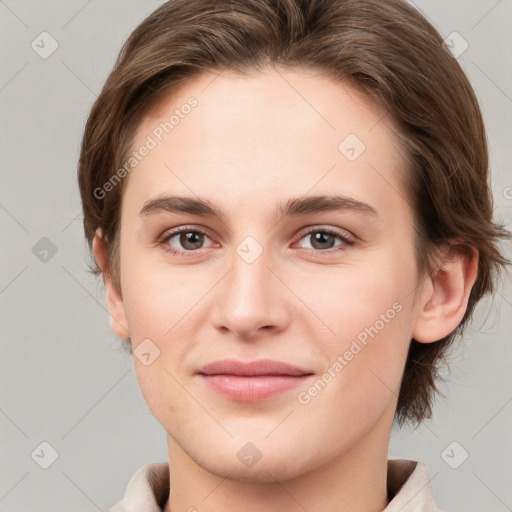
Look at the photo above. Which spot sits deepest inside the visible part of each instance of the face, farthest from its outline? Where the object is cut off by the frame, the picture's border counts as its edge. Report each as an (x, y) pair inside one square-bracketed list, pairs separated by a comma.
[(268, 325)]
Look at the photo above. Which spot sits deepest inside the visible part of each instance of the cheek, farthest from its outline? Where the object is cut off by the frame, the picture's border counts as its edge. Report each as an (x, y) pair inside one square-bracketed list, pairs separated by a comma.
[(158, 299), (369, 312), (165, 393), (361, 379), (352, 298), (164, 309)]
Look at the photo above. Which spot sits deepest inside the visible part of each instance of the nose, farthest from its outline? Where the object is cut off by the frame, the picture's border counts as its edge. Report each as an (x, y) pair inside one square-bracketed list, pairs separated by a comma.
[(250, 300)]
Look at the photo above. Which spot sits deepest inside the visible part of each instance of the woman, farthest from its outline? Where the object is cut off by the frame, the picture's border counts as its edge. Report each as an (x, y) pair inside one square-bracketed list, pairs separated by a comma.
[(289, 204)]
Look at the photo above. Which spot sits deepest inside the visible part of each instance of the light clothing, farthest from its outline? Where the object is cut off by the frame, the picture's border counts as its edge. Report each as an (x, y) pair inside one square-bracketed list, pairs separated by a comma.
[(407, 481)]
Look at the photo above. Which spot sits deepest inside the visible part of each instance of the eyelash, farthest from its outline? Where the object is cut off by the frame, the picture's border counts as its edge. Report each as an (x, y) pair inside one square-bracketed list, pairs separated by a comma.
[(347, 241)]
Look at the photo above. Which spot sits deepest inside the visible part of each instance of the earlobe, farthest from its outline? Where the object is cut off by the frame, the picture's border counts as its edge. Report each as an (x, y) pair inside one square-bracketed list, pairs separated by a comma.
[(444, 297), (115, 304)]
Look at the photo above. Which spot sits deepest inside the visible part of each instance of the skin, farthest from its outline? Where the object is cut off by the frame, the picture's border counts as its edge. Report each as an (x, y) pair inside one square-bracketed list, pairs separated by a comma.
[(250, 143)]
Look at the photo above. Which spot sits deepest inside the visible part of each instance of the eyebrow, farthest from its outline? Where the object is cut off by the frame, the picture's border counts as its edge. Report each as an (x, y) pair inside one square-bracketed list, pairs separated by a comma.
[(289, 208)]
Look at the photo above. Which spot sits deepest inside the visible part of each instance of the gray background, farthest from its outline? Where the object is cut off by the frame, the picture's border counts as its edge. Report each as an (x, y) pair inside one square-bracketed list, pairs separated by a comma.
[(64, 378)]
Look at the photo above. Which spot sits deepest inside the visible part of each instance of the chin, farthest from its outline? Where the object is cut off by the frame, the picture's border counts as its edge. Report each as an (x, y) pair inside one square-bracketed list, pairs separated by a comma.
[(263, 472)]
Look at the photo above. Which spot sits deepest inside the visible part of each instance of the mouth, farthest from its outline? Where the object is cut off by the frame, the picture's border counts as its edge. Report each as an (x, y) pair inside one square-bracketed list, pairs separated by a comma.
[(252, 381)]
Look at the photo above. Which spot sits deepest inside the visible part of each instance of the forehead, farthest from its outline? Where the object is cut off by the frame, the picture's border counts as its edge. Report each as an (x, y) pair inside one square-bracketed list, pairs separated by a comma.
[(278, 132)]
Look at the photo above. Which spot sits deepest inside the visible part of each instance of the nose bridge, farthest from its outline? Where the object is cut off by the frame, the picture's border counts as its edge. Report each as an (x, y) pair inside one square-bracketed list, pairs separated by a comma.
[(250, 277), (250, 296)]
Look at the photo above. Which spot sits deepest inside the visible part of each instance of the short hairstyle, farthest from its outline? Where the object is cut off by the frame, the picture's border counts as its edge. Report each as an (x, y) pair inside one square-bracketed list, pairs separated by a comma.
[(385, 49)]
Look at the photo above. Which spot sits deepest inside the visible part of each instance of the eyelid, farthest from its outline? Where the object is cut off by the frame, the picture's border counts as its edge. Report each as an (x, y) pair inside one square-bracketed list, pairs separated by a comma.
[(171, 233), (314, 228), (347, 238)]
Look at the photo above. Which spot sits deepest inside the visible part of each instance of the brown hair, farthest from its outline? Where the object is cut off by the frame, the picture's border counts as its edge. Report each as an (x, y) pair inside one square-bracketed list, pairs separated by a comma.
[(388, 51)]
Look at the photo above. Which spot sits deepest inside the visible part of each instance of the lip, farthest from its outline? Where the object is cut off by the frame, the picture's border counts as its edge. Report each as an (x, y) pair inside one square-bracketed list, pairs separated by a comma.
[(252, 381)]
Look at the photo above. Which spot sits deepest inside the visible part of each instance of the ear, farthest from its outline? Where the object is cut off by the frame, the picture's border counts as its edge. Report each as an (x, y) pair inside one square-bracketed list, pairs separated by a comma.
[(118, 318), (443, 298)]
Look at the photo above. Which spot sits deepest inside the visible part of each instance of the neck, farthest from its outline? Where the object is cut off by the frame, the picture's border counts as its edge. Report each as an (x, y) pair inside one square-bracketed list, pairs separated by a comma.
[(353, 481)]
